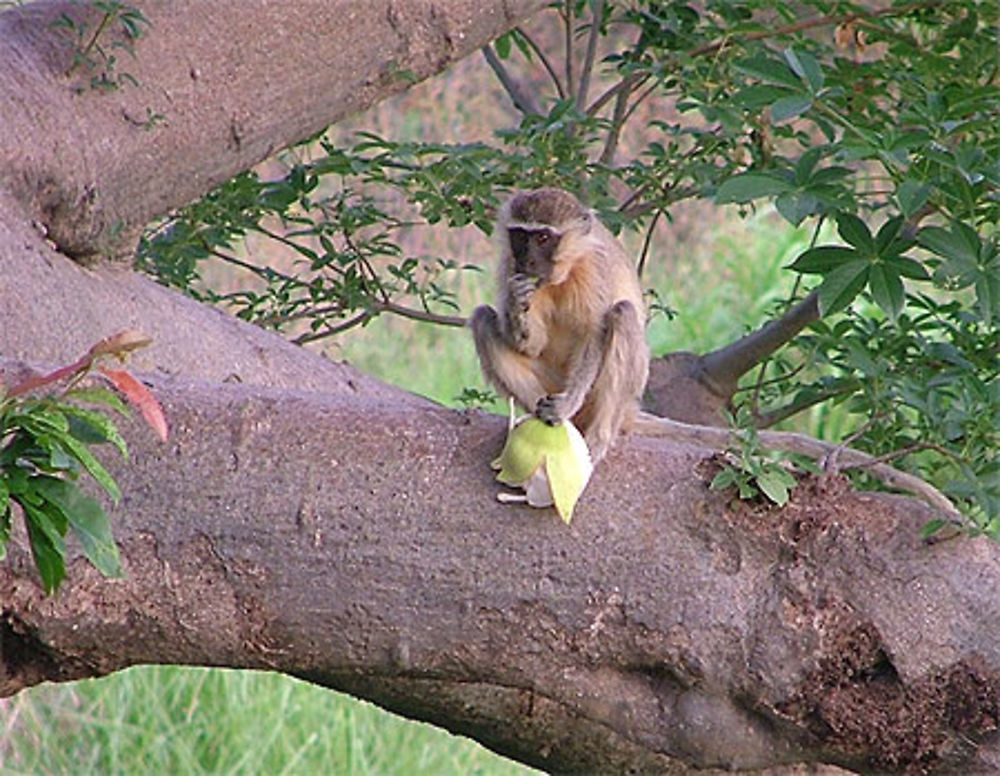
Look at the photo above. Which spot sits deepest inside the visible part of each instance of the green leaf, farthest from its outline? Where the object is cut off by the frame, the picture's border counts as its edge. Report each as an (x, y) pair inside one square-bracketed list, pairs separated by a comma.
[(855, 232), (93, 427), (887, 235), (887, 289), (769, 71), (931, 527), (775, 483), (988, 297), (907, 267), (722, 480), (960, 243), (807, 163), (821, 260), (796, 206), (502, 45), (49, 559), (92, 465), (759, 96), (805, 67), (749, 186), (103, 396), (89, 523), (912, 195), (842, 285), (5, 518), (790, 107)]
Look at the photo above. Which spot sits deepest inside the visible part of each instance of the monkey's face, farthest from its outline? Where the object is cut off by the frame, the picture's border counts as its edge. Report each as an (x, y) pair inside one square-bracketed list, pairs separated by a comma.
[(533, 251)]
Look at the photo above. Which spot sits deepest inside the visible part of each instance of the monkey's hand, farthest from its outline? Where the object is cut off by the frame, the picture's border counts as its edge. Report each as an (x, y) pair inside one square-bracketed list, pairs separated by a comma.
[(520, 289), (554, 408)]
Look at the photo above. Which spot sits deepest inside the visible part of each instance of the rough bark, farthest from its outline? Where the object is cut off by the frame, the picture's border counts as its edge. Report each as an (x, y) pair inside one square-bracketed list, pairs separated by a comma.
[(235, 80), (351, 536), (357, 544)]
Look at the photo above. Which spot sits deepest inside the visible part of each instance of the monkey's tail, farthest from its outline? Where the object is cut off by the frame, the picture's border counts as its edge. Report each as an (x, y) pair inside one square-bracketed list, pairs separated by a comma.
[(830, 456)]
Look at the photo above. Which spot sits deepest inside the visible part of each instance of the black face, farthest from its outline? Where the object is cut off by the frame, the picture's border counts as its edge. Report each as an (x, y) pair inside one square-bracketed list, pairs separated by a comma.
[(533, 250)]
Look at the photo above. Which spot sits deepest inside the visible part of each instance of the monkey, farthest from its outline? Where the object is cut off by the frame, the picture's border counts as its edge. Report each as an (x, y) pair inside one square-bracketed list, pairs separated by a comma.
[(567, 338)]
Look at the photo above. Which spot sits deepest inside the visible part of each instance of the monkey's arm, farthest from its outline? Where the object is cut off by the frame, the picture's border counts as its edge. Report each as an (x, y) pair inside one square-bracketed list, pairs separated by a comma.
[(523, 327), (511, 372)]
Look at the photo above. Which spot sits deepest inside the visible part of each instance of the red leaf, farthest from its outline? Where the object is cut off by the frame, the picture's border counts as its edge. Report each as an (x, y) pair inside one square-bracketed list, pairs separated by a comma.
[(119, 345), (139, 396), (37, 381)]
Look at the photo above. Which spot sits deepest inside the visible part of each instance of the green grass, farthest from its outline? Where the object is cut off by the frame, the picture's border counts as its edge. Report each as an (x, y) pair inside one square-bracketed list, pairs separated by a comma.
[(167, 720), (171, 720)]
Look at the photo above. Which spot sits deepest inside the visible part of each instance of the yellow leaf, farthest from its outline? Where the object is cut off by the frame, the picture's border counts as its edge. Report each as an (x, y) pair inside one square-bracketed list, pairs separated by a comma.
[(550, 463)]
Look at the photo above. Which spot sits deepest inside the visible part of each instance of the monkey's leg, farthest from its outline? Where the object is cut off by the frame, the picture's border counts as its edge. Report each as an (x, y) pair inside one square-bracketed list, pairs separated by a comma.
[(512, 373), (613, 399), (583, 371)]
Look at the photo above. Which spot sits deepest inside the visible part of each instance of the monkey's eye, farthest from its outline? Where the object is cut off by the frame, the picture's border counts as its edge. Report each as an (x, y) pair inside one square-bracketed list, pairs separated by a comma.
[(543, 238)]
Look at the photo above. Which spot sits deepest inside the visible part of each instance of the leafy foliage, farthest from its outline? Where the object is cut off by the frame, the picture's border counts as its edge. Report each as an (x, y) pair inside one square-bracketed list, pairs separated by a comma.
[(751, 469), (104, 28), (880, 121), (44, 448)]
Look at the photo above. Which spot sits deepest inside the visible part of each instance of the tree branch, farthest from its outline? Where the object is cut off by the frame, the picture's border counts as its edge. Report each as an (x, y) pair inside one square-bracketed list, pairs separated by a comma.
[(522, 97), (597, 19), (232, 108), (789, 442), (725, 366), (344, 541), (546, 63)]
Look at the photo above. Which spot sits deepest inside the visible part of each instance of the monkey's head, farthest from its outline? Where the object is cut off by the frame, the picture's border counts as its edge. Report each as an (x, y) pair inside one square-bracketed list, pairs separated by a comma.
[(535, 224)]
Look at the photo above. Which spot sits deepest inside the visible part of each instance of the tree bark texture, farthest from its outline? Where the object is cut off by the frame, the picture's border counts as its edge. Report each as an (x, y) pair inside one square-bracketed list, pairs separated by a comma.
[(235, 80), (357, 544), (305, 519)]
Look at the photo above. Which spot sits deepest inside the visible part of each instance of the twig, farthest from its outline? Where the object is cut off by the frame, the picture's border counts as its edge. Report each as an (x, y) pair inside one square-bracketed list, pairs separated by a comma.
[(330, 331), (546, 63), (618, 118), (815, 21), (567, 14), (265, 273), (522, 98), (597, 17), (647, 242), (375, 309), (628, 83), (887, 457), (767, 419), (85, 52), (638, 100), (421, 315)]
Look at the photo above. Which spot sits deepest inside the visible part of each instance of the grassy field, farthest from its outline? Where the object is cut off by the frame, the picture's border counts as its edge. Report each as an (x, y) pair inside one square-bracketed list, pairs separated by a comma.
[(159, 720), (170, 720)]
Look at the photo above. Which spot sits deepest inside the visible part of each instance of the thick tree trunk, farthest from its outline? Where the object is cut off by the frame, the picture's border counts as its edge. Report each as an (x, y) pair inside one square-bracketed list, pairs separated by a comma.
[(351, 536), (235, 80), (358, 544)]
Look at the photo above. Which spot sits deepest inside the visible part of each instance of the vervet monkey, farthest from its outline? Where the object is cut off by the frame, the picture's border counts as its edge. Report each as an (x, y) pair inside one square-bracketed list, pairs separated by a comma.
[(567, 338)]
